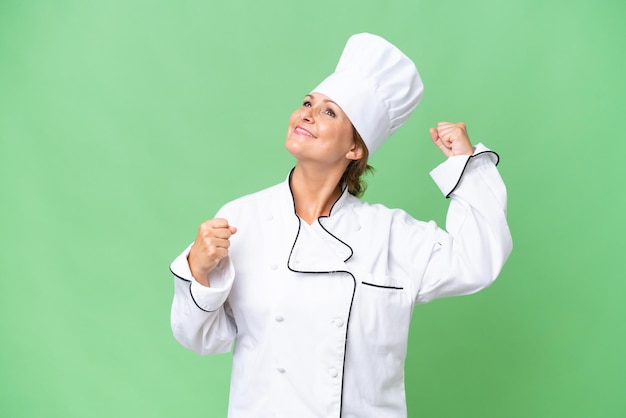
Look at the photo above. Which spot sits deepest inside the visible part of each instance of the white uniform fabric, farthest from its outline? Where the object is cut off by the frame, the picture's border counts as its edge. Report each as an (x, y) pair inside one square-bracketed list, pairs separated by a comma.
[(319, 314)]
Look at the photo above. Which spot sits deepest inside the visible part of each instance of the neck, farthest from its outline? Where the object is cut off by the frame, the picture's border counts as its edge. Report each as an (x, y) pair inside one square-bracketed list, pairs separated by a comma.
[(314, 192)]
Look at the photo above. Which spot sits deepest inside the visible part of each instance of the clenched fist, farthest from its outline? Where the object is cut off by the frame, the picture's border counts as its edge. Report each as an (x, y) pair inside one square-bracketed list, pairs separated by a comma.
[(210, 246), (452, 139)]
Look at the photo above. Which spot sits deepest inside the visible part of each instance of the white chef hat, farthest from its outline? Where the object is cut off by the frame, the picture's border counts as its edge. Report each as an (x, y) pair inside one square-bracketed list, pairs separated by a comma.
[(376, 85)]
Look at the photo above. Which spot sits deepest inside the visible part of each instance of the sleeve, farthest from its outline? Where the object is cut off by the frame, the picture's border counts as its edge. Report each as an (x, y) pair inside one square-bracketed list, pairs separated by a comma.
[(470, 255), (201, 318)]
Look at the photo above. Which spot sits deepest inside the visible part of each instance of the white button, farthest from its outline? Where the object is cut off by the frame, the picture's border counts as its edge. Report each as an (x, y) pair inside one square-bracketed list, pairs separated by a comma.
[(357, 227), (274, 267), (279, 318), (280, 370), (333, 372), (338, 322), (270, 217)]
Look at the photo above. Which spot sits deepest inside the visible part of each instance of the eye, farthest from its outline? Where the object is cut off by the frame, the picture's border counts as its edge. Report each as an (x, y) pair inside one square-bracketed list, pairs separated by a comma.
[(330, 113), (306, 103)]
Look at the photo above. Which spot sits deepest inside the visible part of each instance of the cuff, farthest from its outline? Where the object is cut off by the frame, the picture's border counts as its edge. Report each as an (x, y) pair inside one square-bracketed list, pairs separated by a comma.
[(448, 174), (221, 278)]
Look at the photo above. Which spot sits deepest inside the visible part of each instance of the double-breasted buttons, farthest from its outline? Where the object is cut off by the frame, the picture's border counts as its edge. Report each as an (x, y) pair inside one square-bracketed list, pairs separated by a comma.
[(338, 322)]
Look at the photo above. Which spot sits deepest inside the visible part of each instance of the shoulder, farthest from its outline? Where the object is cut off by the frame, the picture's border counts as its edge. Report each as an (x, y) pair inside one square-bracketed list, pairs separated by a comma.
[(378, 211), (256, 200)]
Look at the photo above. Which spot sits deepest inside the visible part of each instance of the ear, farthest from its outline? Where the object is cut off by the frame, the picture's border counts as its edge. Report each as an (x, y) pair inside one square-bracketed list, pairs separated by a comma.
[(355, 153)]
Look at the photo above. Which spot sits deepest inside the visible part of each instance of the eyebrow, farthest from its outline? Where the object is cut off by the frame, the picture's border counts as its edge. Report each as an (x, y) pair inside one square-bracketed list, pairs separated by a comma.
[(325, 100)]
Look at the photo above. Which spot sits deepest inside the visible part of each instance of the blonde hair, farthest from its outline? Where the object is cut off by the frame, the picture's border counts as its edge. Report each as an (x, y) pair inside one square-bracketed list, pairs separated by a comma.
[(352, 176)]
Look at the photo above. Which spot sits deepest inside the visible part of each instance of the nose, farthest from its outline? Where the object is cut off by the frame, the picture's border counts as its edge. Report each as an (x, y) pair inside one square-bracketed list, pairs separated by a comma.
[(306, 115)]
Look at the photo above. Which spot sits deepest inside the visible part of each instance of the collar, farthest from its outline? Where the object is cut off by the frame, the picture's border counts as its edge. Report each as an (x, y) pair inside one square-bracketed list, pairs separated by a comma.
[(341, 200), (315, 248)]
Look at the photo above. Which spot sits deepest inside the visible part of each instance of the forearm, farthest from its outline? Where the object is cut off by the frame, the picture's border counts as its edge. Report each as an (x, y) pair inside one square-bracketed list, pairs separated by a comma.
[(470, 255), (198, 330), (200, 317)]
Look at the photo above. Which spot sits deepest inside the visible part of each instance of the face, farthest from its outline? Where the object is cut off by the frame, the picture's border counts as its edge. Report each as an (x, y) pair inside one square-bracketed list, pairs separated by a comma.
[(319, 131)]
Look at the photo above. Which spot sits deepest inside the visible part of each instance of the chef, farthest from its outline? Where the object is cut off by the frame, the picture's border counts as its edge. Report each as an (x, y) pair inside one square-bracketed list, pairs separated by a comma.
[(313, 288)]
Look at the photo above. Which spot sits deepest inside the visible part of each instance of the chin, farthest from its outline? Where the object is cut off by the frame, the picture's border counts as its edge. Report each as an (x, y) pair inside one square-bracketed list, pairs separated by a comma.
[(292, 148)]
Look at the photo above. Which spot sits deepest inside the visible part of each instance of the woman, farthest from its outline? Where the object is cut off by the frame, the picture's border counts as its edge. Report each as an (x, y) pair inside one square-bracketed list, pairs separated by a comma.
[(315, 287)]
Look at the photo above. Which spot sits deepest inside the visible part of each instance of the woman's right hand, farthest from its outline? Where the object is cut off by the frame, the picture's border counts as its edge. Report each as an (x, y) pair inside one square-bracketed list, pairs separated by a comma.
[(210, 246)]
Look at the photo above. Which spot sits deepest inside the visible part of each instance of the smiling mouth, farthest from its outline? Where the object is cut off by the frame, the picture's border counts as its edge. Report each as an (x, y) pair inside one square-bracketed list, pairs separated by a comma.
[(301, 131)]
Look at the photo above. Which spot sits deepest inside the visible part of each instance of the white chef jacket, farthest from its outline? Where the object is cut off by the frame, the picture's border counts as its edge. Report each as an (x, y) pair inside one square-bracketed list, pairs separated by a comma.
[(319, 314)]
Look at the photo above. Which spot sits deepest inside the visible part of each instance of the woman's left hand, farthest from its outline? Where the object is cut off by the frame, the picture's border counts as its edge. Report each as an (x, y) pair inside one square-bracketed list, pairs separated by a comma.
[(452, 139)]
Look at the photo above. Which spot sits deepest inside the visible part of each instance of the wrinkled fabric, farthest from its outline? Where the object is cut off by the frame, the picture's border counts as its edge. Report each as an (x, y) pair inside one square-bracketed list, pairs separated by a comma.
[(318, 315)]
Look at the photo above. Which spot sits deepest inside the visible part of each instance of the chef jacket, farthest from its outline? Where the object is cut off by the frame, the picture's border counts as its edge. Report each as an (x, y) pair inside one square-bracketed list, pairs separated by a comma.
[(319, 314)]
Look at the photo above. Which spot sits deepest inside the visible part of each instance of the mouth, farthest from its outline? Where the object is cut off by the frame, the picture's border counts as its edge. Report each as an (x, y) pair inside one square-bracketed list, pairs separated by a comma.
[(299, 130)]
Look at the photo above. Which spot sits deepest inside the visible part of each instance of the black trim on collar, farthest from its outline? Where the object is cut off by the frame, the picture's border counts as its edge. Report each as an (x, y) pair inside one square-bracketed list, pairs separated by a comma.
[(319, 221), (332, 235), (293, 200), (345, 348)]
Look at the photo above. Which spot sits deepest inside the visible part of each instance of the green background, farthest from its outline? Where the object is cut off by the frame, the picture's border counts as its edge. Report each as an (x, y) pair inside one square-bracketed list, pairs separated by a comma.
[(124, 124)]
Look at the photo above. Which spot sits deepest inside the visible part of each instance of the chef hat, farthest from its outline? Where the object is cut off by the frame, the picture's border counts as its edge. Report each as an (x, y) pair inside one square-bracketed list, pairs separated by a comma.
[(376, 85)]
